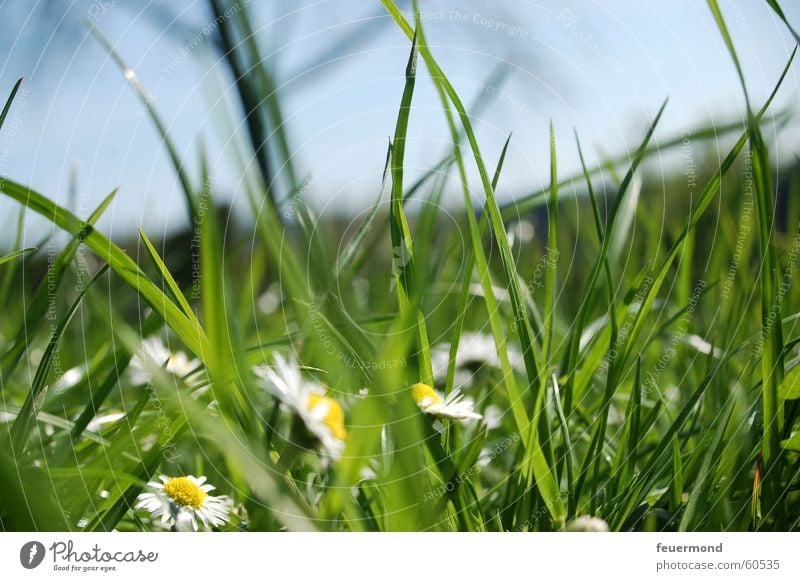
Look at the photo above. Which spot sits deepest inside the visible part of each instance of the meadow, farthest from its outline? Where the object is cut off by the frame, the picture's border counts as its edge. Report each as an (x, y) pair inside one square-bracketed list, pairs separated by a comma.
[(615, 352)]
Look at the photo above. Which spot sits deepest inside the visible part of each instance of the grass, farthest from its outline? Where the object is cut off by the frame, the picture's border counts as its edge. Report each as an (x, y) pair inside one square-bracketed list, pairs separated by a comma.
[(642, 392)]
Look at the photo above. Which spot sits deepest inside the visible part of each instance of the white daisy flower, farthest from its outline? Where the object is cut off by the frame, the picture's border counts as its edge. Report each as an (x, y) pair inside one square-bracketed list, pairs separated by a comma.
[(153, 353), (493, 417), (270, 301), (322, 415), (474, 350), (521, 230), (587, 524), (99, 421), (70, 378), (184, 502), (452, 407)]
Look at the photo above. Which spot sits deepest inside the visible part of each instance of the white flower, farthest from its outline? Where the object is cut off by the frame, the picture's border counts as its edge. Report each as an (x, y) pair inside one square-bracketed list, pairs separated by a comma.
[(270, 301), (587, 524), (474, 350), (69, 379), (493, 417), (184, 503), (521, 230), (99, 421), (322, 415), (153, 353), (452, 407)]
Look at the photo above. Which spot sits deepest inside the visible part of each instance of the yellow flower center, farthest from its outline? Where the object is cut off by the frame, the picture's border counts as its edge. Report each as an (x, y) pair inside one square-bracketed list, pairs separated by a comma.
[(334, 414), (421, 391), (184, 492)]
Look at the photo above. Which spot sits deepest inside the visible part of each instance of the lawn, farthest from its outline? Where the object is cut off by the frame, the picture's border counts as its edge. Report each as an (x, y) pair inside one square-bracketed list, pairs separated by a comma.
[(615, 352)]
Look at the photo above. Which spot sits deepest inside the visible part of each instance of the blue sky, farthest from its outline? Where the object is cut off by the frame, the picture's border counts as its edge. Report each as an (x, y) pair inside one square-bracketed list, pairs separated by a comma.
[(601, 69)]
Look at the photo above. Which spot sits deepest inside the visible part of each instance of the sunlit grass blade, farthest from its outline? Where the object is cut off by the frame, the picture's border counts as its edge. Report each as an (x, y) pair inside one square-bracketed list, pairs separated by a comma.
[(772, 331), (551, 252), (17, 254), (175, 291), (711, 133), (37, 307), (605, 232), (476, 250), (229, 380), (535, 464), (709, 191), (567, 447), (402, 244), (120, 262)]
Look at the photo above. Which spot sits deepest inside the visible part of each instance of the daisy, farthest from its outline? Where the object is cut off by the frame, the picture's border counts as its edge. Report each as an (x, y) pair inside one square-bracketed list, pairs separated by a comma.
[(521, 230), (69, 379), (153, 353), (184, 502), (475, 350), (452, 407), (322, 415), (587, 524)]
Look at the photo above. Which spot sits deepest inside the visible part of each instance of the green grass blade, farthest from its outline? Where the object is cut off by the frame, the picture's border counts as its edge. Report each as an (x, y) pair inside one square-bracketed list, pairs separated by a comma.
[(17, 254), (348, 255), (779, 11), (403, 247), (535, 462), (37, 307), (551, 251), (161, 128), (7, 106), (175, 291), (27, 416), (466, 284), (192, 336), (693, 516), (771, 361), (705, 198)]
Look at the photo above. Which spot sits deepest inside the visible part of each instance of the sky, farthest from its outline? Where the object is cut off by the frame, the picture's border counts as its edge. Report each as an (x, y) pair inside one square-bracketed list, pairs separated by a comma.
[(598, 69)]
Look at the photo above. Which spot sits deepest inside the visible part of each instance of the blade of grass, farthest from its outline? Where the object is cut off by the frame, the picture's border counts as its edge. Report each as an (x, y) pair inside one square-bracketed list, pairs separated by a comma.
[(486, 283), (552, 247), (402, 243), (174, 290), (191, 335), (779, 11), (601, 263), (149, 106), (705, 198), (34, 316), (772, 332), (535, 464), (564, 427), (17, 254), (27, 416), (7, 106), (693, 515), (248, 94), (713, 133)]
